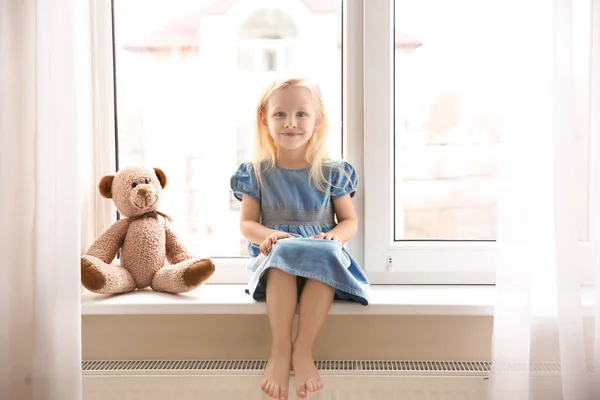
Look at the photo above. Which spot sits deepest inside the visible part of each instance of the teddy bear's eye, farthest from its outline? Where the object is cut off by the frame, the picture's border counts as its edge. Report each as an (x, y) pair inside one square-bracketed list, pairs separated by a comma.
[(147, 181), (134, 184)]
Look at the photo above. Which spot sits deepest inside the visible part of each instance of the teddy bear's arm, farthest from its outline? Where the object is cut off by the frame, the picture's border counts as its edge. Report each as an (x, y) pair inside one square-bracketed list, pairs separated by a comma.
[(109, 243), (176, 251)]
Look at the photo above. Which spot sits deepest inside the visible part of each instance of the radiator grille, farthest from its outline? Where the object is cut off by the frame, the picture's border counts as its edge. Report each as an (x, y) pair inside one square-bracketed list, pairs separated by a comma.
[(344, 379), (259, 365), (324, 365)]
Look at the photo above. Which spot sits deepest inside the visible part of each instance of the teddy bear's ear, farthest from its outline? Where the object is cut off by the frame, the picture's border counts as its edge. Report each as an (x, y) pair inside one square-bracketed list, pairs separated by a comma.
[(105, 186), (162, 178)]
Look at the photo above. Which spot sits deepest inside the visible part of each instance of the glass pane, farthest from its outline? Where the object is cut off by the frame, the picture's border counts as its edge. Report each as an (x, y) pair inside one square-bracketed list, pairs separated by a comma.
[(447, 113), (188, 76)]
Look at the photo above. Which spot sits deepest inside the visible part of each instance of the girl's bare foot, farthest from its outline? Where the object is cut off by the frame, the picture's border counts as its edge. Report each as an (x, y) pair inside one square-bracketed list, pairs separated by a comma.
[(276, 379), (305, 373)]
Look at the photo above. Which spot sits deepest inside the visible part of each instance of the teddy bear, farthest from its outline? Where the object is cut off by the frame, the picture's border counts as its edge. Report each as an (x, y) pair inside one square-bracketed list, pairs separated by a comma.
[(144, 239)]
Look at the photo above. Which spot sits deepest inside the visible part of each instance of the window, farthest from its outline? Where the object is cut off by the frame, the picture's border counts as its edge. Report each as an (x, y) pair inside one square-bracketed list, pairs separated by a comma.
[(413, 91), (188, 75), (417, 189), (447, 115), (433, 113)]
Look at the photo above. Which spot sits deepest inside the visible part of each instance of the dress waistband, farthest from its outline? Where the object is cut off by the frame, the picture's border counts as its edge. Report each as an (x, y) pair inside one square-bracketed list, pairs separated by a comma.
[(284, 216)]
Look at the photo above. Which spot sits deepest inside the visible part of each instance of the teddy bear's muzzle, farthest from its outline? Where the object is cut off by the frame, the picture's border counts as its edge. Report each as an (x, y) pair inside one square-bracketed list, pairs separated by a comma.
[(145, 198)]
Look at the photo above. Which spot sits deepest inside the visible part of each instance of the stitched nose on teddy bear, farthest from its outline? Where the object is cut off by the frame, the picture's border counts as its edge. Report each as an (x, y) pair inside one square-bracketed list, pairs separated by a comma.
[(144, 197)]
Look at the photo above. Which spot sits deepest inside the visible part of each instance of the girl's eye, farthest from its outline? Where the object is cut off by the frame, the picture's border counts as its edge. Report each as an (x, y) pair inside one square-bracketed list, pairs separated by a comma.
[(134, 184), (147, 181), (302, 114), (280, 114)]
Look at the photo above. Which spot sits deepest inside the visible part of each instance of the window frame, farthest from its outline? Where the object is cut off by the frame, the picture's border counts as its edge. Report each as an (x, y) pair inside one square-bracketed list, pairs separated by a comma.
[(405, 262), (229, 270), (428, 262), (366, 87), (104, 105)]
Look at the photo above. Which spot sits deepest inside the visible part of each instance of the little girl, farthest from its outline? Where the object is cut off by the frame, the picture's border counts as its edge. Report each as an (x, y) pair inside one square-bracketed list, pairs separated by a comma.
[(296, 213)]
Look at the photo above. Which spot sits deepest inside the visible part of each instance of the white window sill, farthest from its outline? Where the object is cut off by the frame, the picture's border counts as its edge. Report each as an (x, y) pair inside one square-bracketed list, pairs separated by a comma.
[(467, 300), (231, 299)]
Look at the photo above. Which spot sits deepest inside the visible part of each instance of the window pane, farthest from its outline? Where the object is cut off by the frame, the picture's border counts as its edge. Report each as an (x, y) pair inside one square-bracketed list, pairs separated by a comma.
[(188, 76), (447, 114)]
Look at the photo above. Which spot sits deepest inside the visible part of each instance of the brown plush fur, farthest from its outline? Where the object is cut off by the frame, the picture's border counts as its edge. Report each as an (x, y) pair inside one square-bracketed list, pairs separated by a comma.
[(105, 186), (145, 241), (162, 178)]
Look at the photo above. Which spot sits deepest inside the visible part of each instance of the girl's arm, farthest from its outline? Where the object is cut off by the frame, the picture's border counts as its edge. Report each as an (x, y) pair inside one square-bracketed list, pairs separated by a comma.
[(251, 229), (347, 220)]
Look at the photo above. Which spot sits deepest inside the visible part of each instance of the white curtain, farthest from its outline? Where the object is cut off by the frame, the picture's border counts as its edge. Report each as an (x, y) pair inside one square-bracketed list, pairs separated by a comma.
[(44, 113), (546, 342)]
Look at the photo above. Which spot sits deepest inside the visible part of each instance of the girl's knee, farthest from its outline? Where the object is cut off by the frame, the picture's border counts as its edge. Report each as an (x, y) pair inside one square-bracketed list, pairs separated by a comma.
[(278, 275)]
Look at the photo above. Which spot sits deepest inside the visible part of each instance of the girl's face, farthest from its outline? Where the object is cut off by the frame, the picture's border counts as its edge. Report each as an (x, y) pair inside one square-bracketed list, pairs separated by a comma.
[(290, 117)]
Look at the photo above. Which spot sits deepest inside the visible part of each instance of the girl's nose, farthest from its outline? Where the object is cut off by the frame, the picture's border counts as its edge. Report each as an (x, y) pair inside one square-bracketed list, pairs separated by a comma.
[(290, 124)]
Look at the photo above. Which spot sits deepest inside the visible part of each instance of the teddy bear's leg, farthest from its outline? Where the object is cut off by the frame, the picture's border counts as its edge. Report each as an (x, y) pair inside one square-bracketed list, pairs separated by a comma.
[(100, 277), (183, 276)]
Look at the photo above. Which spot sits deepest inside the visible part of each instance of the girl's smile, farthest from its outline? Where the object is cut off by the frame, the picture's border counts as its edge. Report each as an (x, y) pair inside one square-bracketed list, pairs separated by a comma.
[(291, 133)]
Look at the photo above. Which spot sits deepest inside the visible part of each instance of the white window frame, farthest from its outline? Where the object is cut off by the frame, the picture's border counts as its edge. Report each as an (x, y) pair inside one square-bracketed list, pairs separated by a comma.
[(228, 270), (426, 262), (591, 128), (103, 109), (405, 262), (367, 143)]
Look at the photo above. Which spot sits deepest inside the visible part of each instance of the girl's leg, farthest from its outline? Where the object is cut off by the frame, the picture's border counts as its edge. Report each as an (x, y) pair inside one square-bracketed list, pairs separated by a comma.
[(315, 302), (281, 307)]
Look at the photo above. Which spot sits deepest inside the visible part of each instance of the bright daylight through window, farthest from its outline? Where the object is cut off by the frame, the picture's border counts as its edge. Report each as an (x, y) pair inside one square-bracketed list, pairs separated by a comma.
[(188, 74), (188, 77), (447, 118)]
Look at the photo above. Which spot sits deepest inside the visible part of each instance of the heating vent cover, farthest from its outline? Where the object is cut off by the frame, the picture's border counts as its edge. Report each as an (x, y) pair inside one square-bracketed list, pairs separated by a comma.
[(259, 365), (470, 367)]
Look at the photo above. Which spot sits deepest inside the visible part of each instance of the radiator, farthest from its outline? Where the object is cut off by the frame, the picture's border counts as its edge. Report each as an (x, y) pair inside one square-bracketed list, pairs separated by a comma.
[(240, 380)]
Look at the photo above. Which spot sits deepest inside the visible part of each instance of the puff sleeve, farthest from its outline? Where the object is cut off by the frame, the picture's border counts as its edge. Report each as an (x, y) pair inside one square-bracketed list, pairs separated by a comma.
[(244, 181), (343, 180)]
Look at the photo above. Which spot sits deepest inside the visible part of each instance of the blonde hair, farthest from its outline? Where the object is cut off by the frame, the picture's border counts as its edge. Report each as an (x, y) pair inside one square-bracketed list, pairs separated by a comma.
[(316, 153)]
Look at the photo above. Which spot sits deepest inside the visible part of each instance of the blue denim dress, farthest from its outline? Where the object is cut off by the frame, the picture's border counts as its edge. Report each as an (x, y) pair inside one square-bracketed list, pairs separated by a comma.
[(289, 203)]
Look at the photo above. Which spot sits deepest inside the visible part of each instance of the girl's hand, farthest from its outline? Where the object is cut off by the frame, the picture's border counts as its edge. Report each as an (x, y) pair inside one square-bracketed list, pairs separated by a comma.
[(267, 244), (327, 236)]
